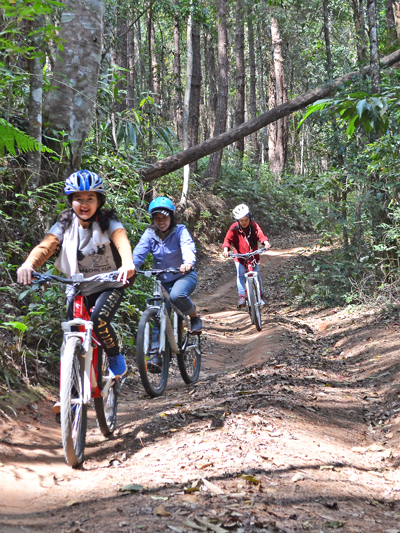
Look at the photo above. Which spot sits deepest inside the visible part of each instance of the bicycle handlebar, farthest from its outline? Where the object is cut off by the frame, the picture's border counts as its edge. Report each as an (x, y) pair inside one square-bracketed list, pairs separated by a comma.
[(249, 254), (44, 278), (150, 273)]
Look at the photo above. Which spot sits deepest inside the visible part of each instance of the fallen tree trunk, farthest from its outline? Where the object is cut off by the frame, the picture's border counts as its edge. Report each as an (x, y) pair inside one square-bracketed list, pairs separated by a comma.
[(177, 161)]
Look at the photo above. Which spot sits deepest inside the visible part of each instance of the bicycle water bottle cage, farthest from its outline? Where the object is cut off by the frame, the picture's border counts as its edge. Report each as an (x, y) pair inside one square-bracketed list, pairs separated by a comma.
[(79, 277)]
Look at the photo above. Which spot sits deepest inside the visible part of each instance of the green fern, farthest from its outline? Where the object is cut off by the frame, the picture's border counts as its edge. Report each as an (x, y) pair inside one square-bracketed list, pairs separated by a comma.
[(11, 136)]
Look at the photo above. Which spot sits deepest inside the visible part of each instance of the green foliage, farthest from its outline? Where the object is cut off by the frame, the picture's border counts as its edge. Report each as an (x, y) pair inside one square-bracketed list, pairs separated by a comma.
[(11, 136)]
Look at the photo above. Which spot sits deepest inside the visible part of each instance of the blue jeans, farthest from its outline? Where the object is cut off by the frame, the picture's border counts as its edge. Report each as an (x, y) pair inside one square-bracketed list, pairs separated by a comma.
[(179, 291), (240, 279)]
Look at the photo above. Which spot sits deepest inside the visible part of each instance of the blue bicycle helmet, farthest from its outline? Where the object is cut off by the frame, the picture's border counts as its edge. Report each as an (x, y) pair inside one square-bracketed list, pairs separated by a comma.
[(162, 205), (83, 181)]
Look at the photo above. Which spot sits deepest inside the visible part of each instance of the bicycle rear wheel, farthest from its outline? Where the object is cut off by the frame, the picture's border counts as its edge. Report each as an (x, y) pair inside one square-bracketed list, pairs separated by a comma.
[(154, 378), (73, 412), (106, 407), (189, 358)]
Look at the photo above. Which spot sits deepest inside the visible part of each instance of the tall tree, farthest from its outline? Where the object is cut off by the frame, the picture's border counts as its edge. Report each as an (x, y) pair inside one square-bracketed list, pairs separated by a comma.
[(240, 74), (373, 46), (35, 104), (359, 23), (325, 8), (177, 76), (390, 25), (130, 92), (252, 101), (214, 164), (278, 133), (195, 93), (69, 106), (396, 13), (186, 103)]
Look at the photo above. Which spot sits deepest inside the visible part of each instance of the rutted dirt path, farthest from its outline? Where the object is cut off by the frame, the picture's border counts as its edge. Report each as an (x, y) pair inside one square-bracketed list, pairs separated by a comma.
[(295, 428)]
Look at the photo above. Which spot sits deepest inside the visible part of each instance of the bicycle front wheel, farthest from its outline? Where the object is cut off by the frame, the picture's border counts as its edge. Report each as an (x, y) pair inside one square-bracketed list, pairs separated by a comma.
[(153, 367), (257, 308), (73, 412), (106, 406), (251, 299)]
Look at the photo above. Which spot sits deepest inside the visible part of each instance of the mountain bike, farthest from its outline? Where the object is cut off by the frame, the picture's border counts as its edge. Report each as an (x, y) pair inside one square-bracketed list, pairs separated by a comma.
[(253, 289), (158, 336), (84, 373)]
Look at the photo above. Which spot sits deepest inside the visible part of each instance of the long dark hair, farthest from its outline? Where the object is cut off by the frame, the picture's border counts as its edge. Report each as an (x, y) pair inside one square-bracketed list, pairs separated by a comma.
[(103, 216), (171, 226)]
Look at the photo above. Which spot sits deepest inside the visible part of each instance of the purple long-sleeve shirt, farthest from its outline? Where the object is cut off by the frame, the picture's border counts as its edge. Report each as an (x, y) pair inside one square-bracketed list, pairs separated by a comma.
[(177, 249)]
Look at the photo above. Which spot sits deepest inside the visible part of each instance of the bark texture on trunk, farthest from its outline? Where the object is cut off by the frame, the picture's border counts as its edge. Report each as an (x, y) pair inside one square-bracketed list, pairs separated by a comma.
[(240, 82), (195, 92), (35, 108), (359, 23), (396, 13), (373, 46), (252, 103), (186, 103), (325, 7), (172, 163), (69, 106), (391, 35), (277, 133), (178, 79), (214, 165), (130, 94)]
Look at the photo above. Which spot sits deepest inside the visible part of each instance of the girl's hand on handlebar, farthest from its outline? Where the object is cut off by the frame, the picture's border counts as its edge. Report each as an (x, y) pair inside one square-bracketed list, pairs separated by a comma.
[(267, 245), (185, 268), (225, 253), (24, 273), (126, 272)]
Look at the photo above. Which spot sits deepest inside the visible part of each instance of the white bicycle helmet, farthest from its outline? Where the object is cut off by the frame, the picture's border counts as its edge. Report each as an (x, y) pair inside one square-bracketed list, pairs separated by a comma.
[(240, 211)]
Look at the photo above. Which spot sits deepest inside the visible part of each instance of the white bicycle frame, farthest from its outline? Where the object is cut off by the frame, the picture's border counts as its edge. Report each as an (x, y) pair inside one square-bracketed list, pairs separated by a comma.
[(253, 275)]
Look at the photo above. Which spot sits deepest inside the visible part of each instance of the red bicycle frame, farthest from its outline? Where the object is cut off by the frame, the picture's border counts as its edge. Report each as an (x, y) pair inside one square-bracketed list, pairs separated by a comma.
[(80, 311)]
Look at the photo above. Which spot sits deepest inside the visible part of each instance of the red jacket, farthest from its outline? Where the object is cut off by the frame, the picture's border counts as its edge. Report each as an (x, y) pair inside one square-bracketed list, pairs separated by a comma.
[(244, 240)]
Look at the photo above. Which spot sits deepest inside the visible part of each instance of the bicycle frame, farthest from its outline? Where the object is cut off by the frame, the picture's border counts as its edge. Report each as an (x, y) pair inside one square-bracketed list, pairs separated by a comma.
[(167, 330), (90, 351)]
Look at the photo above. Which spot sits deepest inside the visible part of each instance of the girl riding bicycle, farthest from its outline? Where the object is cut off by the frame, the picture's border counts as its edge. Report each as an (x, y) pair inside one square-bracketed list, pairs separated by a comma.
[(172, 247), (244, 236), (92, 241)]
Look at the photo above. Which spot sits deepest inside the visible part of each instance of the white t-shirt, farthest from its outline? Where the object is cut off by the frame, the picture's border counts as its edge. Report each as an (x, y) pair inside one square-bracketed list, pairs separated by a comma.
[(92, 259)]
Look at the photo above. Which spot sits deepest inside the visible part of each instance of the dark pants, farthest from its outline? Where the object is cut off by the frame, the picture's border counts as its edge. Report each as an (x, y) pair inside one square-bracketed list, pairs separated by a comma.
[(105, 306)]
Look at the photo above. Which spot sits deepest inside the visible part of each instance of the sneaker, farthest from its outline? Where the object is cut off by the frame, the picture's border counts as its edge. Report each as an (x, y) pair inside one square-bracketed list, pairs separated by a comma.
[(117, 365), (56, 408), (196, 325), (155, 364), (241, 301)]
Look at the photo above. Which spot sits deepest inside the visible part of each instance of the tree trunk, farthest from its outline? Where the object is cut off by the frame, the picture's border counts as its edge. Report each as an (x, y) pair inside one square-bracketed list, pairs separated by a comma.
[(153, 62), (122, 61), (359, 23), (35, 108), (278, 135), (214, 164), (240, 84), (252, 105), (391, 36), (130, 95), (177, 161), (396, 13), (186, 103), (177, 79), (69, 106), (325, 5), (373, 46), (195, 93), (142, 69)]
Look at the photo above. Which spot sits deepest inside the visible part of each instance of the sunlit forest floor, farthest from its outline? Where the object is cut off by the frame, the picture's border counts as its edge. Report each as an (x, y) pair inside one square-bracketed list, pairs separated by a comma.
[(294, 428)]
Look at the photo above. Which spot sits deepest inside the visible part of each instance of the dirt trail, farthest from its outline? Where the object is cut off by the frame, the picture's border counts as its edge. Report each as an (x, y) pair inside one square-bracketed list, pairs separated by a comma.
[(294, 428)]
